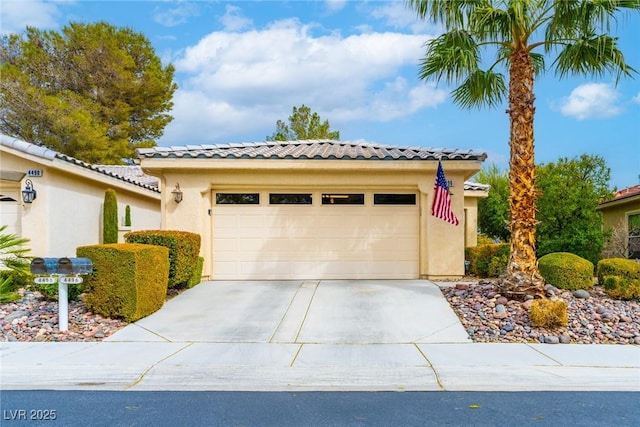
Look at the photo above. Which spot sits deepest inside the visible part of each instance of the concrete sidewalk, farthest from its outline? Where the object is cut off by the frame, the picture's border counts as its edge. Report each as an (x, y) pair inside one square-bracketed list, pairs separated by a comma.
[(310, 335)]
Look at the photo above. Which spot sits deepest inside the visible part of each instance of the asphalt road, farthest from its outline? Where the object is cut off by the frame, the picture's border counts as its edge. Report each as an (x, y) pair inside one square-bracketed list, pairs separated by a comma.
[(162, 408)]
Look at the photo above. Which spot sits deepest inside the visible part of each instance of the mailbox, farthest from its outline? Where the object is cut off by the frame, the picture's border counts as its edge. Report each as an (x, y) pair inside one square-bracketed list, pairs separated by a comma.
[(75, 266), (44, 266)]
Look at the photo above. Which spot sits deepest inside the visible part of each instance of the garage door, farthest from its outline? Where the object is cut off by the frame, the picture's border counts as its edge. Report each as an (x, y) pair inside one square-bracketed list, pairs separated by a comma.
[(315, 235), (10, 211)]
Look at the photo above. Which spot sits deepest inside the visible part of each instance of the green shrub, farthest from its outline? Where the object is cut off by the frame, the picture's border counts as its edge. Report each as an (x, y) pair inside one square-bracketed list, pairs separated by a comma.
[(548, 314), (480, 258), (197, 273), (622, 287), (620, 277), (50, 291), (566, 271), (184, 248), (127, 216), (129, 280), (8, 290), (618, 267), (484, 240), (110, 217), (498, 266)]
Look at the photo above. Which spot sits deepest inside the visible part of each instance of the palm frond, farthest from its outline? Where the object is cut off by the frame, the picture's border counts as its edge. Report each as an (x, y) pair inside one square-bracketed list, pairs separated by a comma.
[(450, 57), (592, 56), (481, 88)]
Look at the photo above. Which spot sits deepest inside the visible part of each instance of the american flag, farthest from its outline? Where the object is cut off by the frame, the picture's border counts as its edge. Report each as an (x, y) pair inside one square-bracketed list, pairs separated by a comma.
[(442, 200)]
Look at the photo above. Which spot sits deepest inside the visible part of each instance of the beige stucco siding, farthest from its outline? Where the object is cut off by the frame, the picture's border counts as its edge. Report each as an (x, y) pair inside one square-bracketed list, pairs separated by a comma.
[(67, 212), (441, 245), (616, 214)]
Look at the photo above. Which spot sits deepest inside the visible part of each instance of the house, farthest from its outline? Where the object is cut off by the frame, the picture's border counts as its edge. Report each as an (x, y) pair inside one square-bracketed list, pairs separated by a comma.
[(317, 209), (67, 197), (623, 212)]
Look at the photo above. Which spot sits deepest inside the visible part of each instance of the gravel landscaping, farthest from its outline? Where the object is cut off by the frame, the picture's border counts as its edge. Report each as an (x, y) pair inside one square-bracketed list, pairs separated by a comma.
[(486, 315)]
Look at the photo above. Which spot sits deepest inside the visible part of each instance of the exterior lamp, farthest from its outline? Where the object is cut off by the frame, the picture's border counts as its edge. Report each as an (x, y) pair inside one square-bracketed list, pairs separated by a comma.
[(28, 194), (177, 193)]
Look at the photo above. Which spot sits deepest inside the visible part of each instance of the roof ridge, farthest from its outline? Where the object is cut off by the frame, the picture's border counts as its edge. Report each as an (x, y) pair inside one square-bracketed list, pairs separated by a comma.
[(49, 154)]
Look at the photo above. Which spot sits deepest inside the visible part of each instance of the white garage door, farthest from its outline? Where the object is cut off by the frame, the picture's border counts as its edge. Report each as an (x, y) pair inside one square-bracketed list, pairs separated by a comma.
[(10, 211), (315, 235)]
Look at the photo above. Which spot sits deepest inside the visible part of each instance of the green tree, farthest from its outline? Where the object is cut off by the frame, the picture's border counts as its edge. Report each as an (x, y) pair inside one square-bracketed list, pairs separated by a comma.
[(570, 192), (521, 33), (493, 211), (303, 124), (91, 91)]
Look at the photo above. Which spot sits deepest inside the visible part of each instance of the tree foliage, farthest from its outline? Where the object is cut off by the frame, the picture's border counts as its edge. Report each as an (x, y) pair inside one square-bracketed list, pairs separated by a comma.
[(91, 91), (493, 211), (570, 192), (521, 34), (303, 124)]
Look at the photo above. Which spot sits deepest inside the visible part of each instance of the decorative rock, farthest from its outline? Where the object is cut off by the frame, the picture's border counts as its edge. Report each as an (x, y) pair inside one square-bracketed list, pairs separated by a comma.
[(581, 293), (565, 339), (527, 304), (15, 316), (551, 339), (502, 301), (508, 327), (500, 308)]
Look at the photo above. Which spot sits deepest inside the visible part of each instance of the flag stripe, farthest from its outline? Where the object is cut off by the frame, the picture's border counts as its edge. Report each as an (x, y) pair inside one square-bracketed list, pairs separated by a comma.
[(442, 200)]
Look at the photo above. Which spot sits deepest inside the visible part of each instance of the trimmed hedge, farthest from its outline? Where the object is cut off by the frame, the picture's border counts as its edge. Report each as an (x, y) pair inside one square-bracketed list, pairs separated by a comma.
[(565, 270), (129, 280), (184, 248), (197, 273), (481, 259), (620, 277)]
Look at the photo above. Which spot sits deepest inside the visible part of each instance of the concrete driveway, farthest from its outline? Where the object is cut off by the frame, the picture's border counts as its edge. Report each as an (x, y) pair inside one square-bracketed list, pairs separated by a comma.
[(303, 312)]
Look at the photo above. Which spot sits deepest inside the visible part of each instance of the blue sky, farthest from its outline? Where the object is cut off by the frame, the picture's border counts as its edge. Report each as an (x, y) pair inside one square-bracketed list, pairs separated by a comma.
[(241, 66)]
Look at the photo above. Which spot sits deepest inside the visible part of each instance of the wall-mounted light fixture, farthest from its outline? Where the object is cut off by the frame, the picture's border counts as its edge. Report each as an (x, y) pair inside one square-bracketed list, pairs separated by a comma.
[(177, 193), (28, 194)]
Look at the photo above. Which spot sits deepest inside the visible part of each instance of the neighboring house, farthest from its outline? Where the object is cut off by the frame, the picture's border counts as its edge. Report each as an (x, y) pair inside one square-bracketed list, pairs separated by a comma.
[(623, 211), (67, 210), (317, 209)]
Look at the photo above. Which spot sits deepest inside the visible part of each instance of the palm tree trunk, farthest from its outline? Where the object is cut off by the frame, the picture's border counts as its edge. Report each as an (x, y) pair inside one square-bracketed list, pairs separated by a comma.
[(523, 277)]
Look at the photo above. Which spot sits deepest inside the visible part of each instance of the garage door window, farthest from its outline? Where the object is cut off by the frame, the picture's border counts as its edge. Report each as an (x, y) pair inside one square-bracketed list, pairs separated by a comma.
[(290, 199), (394, 199), (342, 199), (237, 198)]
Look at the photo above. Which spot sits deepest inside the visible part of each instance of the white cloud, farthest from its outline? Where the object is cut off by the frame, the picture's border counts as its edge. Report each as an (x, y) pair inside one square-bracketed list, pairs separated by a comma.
[(591, 101), (398, 15), (16, 15), (636, 98), (335, 5), (177, 15), (233, 20), (242, 82)]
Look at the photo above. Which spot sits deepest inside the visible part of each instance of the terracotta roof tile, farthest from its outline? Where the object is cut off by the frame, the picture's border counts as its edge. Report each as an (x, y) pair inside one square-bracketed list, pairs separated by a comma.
[(308, 150)]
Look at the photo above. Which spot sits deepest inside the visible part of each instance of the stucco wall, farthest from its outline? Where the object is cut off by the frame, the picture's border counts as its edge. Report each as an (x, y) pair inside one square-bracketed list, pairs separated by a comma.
[(441, 244), (67, 212), (612, 216)]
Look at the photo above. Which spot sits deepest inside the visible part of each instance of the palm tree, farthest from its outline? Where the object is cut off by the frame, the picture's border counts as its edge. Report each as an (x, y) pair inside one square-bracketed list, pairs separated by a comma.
[(574, 31)]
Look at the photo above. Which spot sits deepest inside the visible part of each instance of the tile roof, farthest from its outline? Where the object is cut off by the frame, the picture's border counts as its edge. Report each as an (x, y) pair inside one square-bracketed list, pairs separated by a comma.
[(130, 175), (627, 192), (307, 150), (474, 186)]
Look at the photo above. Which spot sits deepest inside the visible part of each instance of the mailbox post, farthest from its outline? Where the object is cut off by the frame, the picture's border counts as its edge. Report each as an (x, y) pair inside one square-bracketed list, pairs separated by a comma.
[(64, 271)]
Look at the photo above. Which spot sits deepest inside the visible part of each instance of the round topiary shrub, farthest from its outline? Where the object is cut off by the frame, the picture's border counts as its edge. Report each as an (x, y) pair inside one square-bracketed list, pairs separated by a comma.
[(620, 277), (566, 271)]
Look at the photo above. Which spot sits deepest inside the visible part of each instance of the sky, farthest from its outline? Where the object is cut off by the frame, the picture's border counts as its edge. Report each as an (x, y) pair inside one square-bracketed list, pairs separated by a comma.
[(243, 65)]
